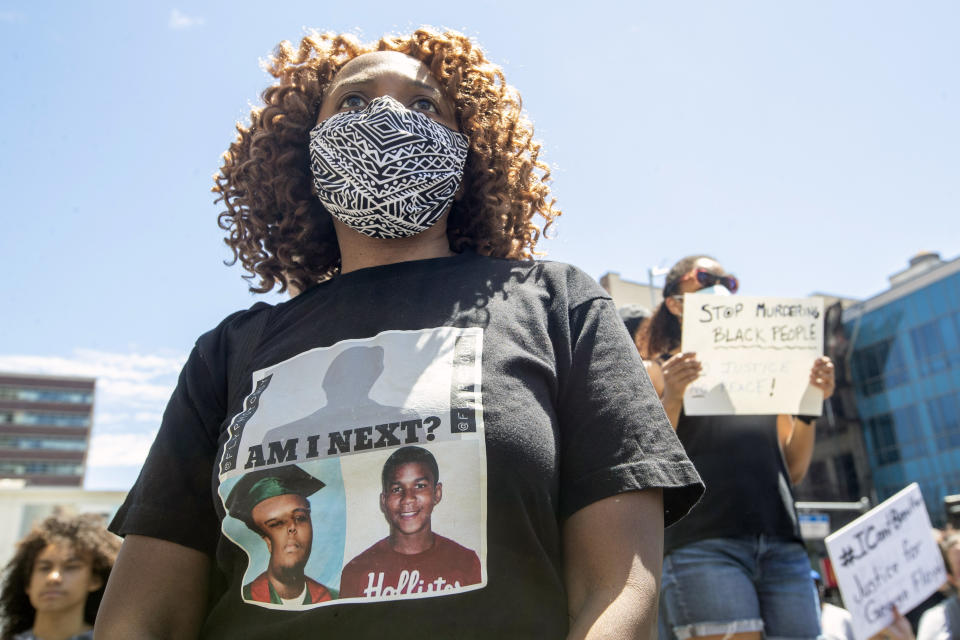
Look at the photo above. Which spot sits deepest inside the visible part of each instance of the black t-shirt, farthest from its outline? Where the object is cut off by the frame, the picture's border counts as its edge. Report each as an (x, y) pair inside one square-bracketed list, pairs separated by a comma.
[(517, 378), (748, 487)]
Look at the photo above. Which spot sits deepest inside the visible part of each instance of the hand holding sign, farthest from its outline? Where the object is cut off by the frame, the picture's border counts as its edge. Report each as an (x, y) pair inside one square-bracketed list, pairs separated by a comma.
[(678, 372), (899, 629), (886, 559), (823, 376)]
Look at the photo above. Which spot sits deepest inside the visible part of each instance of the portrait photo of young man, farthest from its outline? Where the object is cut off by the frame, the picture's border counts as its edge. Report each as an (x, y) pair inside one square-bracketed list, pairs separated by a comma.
[(412, 558), (273, 504)]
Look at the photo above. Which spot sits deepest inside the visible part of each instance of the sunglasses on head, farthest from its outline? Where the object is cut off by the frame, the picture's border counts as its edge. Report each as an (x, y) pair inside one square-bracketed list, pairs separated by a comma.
[(708, 279)]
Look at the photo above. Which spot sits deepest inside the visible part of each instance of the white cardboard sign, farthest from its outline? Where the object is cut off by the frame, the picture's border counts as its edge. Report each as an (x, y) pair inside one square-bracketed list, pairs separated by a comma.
[(757, 353), (886, 557)]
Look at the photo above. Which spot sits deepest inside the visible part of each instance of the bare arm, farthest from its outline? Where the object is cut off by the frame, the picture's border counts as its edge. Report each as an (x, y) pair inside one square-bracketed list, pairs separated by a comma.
[(797, 436), (677, 373), (613, 552), (655, 374), (157, 591)]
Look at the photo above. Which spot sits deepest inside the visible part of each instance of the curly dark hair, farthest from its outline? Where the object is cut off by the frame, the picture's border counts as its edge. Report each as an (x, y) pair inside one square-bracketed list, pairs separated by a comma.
[(86, 533), (276, 226), (662, 334)]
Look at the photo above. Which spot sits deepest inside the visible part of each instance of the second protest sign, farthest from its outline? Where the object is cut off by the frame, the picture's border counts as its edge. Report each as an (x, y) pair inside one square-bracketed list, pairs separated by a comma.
[(757, 353)]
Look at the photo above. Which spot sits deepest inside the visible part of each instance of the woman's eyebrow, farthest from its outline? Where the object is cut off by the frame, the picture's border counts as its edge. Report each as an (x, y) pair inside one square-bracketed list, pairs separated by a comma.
[(361, 80)]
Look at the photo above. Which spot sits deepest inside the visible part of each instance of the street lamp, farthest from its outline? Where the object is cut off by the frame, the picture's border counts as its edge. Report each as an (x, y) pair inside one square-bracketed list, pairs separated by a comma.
[(653, 272)]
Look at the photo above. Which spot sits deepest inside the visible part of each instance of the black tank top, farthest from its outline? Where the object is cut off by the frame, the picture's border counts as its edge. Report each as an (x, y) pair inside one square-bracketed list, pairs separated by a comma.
[(748, 487)]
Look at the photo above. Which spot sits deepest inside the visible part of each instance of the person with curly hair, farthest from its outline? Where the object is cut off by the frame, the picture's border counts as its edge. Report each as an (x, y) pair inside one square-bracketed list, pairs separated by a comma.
[(396, 191), (53, 585)]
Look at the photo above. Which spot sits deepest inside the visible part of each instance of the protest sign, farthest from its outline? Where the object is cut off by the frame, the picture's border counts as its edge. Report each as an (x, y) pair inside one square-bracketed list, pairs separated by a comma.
[(886, 557), (757, 353)]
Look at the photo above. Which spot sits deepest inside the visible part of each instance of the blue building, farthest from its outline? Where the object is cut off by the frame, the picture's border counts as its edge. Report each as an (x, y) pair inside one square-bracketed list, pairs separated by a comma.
[(905, 369)]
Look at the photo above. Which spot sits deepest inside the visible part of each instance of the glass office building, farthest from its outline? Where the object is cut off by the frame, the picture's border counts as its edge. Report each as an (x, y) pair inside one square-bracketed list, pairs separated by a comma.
[(905, 366), (45, 424)]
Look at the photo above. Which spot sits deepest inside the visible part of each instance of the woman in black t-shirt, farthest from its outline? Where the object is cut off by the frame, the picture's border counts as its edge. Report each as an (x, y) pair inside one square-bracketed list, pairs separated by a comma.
[(393, 187), (736, 564)]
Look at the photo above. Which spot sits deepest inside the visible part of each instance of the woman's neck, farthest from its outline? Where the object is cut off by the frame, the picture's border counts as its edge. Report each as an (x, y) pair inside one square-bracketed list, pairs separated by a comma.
[(59, 625), (358, 251)]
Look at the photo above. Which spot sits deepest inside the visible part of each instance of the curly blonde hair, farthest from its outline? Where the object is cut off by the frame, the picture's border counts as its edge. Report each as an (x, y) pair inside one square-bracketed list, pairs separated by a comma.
[(276, 226)]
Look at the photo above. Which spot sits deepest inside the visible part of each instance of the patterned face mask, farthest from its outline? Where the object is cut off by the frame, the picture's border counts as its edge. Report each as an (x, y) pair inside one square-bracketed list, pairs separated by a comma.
[(386, 171)]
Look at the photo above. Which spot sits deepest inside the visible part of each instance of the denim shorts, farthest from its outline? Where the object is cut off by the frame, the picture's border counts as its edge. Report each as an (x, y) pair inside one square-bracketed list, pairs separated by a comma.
[(733, 585)]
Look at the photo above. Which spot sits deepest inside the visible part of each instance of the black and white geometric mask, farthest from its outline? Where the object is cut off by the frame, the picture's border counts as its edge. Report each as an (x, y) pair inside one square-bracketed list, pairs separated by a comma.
[(384, 170)]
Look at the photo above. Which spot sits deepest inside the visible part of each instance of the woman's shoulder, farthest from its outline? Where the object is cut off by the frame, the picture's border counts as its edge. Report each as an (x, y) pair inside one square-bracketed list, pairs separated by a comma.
[(563, 281), (238, 321), (237, 329)]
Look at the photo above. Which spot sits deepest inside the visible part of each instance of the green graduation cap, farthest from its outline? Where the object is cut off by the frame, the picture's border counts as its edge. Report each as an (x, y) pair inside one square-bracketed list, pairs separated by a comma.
[(257, 486)]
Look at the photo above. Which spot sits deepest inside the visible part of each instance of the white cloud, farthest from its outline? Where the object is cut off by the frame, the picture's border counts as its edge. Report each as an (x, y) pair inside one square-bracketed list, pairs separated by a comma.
[(144, 416), (119, 449), (180, 20), (141, 394), (132, 367)]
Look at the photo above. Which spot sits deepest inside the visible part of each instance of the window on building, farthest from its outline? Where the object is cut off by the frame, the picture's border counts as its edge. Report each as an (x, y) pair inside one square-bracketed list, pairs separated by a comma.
[(885, 491), (878, 367), (44, 442), (909, 432), (884, 436), (40, 468), (945, 418), (929, 347), (927, 341), (846, 470), (817, 478), (48, 419), (22, 394)]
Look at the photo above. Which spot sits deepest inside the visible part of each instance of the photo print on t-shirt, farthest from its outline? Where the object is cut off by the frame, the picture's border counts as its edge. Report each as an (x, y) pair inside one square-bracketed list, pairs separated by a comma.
[(357, 472)]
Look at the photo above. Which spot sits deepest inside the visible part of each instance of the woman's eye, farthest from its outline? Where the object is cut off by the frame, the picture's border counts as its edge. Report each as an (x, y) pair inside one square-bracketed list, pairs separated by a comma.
[(424, 105), (353, 102)]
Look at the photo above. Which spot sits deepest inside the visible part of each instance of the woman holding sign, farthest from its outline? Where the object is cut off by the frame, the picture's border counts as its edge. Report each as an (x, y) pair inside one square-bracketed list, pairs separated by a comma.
[(396, 186), (736, 564)]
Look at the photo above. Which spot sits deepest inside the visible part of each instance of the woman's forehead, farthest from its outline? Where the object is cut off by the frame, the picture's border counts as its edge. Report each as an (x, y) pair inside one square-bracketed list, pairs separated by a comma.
[(370, 66), (708, 264)]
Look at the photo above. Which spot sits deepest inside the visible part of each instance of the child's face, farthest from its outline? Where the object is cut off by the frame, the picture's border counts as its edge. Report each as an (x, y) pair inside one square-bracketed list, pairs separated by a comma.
[(61, 579), (409, 498)]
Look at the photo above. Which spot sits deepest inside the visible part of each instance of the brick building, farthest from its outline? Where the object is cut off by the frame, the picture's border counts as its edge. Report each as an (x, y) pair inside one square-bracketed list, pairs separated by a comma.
[(45, 424)]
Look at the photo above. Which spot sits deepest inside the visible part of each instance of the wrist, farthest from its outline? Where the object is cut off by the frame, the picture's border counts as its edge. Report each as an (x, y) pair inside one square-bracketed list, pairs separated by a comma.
[(803, 417)]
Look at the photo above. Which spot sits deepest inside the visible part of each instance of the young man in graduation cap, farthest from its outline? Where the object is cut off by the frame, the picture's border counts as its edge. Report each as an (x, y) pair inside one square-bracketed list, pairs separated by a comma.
[(273, 504)]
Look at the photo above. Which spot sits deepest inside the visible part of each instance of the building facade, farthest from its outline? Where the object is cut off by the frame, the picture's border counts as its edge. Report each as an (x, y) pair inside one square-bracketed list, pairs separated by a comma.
[(626, 292), (45, 424), (905, 366), (840, 469)]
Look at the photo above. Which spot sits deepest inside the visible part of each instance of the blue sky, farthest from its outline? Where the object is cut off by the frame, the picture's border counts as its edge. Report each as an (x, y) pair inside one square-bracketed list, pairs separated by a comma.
[(810, 146)]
